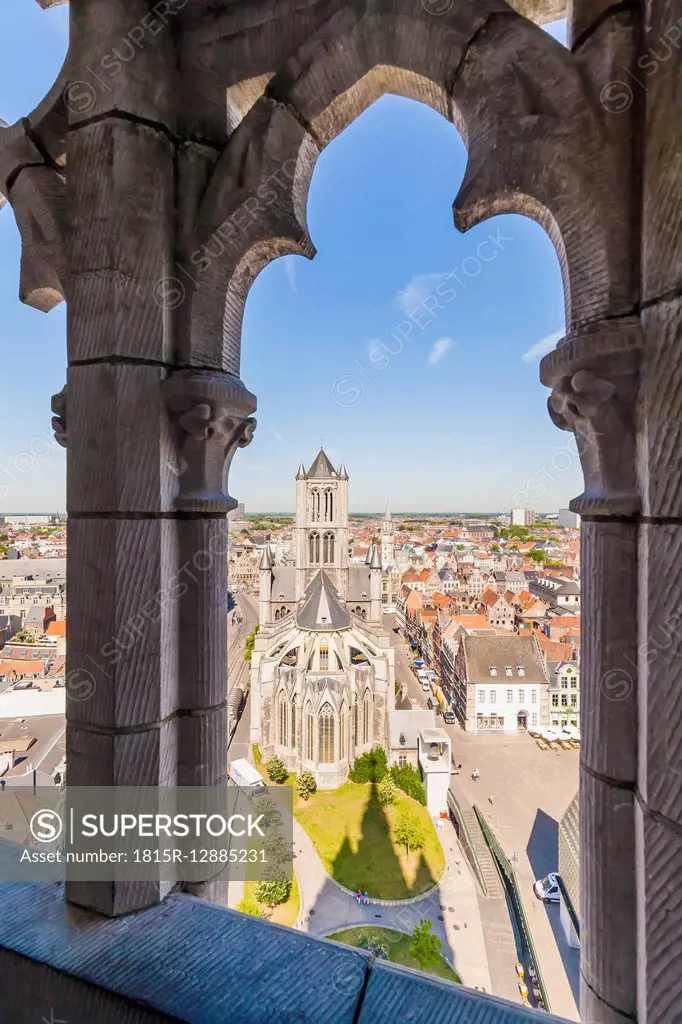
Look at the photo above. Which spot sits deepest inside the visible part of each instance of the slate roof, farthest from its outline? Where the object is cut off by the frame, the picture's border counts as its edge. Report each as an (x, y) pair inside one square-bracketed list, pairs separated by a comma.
[(322, 609), (482, 652), (321, 467)]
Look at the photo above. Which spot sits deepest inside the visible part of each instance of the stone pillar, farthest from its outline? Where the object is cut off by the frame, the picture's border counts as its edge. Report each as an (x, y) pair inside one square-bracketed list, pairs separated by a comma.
[(147, 445), (594, 380), (658, 810)]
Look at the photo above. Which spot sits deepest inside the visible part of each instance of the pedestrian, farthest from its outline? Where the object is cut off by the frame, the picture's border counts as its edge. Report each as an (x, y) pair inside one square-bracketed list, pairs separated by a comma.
[(366, 898), (490, 800)]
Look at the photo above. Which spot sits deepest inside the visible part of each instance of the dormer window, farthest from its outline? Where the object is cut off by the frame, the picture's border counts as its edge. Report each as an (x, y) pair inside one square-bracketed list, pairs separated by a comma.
[(507, 670), (521, 670), (492, 669)]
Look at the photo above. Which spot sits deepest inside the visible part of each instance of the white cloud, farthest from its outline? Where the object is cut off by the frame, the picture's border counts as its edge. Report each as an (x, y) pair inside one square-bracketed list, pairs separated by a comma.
[(277, 435), (417, 290), (439, 350), (290, 271), (542, 347)]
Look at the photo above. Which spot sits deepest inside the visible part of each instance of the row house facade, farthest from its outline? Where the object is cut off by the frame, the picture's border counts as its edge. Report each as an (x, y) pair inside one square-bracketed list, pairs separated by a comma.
[(502, 682), (564, 693)]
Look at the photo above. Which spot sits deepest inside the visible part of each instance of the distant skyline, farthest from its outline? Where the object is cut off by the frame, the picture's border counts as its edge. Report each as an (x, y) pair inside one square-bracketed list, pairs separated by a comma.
[(410, 348)]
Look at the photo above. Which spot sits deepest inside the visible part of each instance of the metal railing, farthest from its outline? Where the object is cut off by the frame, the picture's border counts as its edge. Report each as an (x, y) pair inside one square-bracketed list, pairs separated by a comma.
[(507, 869), (466, 840)]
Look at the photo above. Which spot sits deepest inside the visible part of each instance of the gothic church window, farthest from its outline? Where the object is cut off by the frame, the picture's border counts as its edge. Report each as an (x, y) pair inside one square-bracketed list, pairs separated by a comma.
[(282, 721), (326, 734), (328, 548), (324, 658), (314, 548), (309, 737)]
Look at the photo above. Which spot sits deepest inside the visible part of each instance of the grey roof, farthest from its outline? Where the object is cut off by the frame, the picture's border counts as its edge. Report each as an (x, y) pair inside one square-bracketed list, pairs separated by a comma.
[(358, 583), (36, 613), (283, 583), (569, 587), (446, 573), (408, 724), (482, 652), (321, 467), (322, 609), (43, 567), (375, 561)]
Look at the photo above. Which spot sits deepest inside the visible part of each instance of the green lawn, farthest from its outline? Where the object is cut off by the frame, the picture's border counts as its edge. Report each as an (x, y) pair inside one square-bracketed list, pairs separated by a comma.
[(353, 835), (397, 946)]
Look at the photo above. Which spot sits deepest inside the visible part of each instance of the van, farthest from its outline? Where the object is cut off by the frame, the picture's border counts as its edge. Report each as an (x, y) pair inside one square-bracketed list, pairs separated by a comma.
[(433, 705)]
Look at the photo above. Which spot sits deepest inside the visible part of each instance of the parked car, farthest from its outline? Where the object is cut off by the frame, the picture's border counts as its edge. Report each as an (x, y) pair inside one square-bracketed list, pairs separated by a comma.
[(425, 686), (547, 889), (449, 716)]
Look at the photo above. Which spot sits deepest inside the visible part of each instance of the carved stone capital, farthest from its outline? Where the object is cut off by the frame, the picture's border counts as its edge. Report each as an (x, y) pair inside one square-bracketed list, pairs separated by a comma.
[(594, 377), (211, 413), (58, 406)]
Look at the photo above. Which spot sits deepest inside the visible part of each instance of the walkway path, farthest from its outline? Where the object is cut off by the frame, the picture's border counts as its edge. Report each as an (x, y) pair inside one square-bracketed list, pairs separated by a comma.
[(452, 908)]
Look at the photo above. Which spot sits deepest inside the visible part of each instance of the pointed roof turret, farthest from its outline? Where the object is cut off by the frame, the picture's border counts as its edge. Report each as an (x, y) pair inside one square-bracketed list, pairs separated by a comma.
[(301, 472), (343, 473), (375, 561), (266, 558), (321, 609), (321, 467)]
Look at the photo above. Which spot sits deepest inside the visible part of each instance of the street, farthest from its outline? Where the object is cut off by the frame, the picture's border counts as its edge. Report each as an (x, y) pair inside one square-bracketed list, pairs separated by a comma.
[(531, 790), (237, 671)]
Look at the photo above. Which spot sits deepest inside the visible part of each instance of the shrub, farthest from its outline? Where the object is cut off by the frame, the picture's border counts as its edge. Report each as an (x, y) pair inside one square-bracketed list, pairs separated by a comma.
[(305, 784), (273, 891), (369, 767), (249, 906), (409, 780), (387, 791), (374, 945), (277, 770)]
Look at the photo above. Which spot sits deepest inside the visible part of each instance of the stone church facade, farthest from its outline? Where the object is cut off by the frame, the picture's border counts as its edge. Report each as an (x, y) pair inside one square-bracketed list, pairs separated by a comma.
[(322, 671)]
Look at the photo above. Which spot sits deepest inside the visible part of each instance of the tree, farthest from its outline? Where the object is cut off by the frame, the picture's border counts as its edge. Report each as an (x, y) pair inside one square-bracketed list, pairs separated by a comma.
[(387, 791), (249, 644), (277, 769), (305, 784), (494, 547), (408, 832), (425, 947), (273, 891)]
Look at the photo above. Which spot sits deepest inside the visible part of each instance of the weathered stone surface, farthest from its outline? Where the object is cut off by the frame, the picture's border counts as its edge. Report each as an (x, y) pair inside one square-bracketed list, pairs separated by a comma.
[(126, 59), (120, 300), (594, 1010), (122, 665), (607, 893), (608, 59), (211, 416), (145, 758), (38, 198), (659, 868), (608, 689), (660, 75), (203, 571), (660, 652), (593, 376), (122, 456), (202, 747), (522, 95), (659, 412)]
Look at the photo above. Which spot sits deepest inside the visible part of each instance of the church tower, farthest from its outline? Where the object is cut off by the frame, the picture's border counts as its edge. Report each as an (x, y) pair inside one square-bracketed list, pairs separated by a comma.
[(387, 531), (321, 529)]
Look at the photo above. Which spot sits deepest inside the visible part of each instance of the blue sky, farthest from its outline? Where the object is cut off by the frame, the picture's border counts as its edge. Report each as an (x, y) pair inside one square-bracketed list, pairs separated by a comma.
[(443, 411)]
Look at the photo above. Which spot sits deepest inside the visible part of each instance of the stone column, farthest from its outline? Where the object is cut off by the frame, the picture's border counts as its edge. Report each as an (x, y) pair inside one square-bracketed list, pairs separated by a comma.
[(147, 442), (594, 380), (658, 810)]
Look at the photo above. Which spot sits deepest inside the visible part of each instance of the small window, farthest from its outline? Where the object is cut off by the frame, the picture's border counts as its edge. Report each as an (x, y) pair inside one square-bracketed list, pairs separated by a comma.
[(533, 719), (493, 696), (508, 670), (510, 696), (522, 696), (533, 696), (493, 670), (574, 683), (564, 700), (481, 696), (402, 760), (555, 700), (521, 670)]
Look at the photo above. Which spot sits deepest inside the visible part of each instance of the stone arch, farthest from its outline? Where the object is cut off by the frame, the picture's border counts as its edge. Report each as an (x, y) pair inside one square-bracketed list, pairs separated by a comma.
[(537, 144)]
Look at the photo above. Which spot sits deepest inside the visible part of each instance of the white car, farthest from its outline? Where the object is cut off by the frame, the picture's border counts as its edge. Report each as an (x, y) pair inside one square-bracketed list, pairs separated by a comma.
[(425, 685), (547, 889)]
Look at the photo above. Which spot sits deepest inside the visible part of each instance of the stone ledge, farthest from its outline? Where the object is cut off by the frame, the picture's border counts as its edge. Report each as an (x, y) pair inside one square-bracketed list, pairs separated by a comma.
[(186, 960)]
